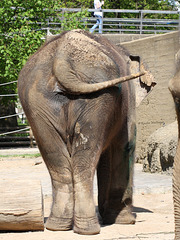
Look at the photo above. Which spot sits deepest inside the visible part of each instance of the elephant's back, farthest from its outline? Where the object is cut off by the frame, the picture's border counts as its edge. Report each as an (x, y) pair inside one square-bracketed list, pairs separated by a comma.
[(94, 59), (36, 73)]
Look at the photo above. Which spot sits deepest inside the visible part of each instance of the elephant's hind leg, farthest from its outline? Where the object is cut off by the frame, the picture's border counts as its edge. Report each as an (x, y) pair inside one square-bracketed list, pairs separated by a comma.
[(85, 218), (61, 216), (85, 157), (58, 162), (115, 193)]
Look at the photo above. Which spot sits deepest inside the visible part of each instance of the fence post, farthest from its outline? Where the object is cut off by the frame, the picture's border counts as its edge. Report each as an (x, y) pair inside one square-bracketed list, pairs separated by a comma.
[(141, 22), (62, 27), (179, 26), (48, 32), (102, 20), (31, 136)]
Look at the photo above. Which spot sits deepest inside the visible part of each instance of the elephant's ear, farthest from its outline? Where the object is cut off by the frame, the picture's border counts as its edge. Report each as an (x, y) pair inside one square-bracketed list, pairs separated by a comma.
[(143, 84)]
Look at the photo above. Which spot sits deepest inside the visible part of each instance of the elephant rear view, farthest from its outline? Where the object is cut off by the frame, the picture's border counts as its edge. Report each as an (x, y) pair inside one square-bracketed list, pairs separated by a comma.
[(80, 104)]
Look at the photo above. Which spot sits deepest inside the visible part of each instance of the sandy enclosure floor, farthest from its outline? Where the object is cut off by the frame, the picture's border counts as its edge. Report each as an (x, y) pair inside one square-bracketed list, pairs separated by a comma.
[(153, 210)]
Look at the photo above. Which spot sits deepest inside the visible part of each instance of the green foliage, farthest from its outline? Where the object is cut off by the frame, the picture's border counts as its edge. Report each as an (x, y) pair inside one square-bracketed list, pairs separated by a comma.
[(21, 34), (78, 3), (140, 4), (71, 20)]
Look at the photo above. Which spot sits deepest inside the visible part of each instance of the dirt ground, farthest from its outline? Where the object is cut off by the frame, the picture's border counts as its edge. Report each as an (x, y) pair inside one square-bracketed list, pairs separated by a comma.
[(154, 211)]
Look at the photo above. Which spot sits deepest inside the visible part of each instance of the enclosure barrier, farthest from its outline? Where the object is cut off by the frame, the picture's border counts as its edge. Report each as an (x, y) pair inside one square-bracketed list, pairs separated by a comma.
[(115, 21), (123, 21), (15, 140), (138, 21)]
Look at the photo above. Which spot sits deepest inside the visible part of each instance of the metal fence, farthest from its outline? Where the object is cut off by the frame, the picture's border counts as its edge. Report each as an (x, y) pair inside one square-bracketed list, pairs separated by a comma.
[(125, 21), (139, 21), (17, 136)]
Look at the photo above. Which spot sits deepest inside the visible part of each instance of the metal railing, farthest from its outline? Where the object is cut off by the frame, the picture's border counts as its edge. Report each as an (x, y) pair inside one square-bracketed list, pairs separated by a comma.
[(124, 21), (116, 21), (139, 22), (15, 130)]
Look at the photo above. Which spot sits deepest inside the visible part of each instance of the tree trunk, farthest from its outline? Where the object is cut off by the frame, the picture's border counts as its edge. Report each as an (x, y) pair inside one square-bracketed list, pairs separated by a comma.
[(21, 205)]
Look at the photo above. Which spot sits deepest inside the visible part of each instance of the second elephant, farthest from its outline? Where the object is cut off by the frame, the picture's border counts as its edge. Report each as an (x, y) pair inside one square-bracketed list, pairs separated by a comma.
[(174, 87)]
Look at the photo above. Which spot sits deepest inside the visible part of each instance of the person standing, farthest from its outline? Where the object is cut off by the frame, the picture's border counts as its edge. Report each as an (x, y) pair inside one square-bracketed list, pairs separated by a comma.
[(98, 15)]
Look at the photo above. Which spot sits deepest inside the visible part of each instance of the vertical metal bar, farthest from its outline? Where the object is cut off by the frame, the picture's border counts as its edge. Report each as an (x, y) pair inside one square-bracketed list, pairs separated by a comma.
[(62, 19), (48, 27), (179, 26), (102, 19), (141, 22)]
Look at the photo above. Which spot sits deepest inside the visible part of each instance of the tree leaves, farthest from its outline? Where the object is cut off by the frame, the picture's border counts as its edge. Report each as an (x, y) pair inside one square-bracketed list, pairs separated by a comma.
[(21, 33)]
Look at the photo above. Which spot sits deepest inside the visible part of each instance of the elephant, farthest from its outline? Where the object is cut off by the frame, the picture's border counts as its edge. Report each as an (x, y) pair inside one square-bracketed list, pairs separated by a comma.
[(79, 97), (174, 87)]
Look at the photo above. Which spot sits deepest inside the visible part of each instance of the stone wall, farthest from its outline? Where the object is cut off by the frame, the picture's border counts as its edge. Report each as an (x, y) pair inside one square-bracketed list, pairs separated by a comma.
[(158, 53)]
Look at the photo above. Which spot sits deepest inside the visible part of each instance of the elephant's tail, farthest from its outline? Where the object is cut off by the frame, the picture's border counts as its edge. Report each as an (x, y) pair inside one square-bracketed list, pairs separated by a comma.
[(79, 87)]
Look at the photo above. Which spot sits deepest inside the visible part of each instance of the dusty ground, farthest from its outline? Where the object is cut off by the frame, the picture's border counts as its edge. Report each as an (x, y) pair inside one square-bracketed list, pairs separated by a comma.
[(154, 210)]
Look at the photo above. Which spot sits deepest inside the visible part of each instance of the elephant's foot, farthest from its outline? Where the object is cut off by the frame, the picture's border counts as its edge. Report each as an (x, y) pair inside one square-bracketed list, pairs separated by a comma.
[(59, 224), (86, 226), (124, 217), (61, 216)]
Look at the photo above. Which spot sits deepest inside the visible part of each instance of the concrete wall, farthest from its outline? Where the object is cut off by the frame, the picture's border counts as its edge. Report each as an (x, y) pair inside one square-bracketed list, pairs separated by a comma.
[(120, 38), (158, 52)]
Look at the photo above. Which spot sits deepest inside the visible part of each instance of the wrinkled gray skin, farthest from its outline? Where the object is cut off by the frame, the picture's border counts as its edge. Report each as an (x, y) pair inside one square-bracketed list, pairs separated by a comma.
[(174, 87), (80, 126)]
